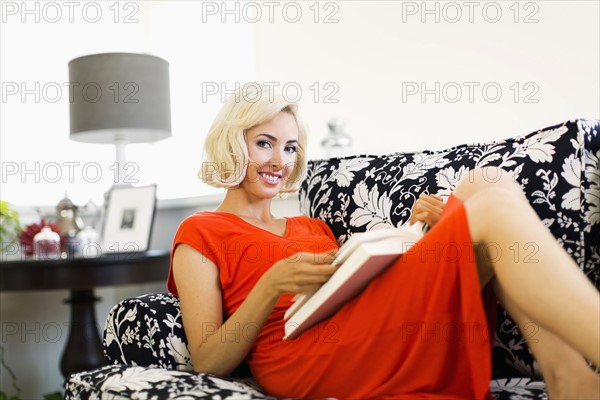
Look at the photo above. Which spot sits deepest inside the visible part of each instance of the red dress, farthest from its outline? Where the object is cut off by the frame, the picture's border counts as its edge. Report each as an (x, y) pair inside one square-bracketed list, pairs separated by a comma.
[(419, 330)]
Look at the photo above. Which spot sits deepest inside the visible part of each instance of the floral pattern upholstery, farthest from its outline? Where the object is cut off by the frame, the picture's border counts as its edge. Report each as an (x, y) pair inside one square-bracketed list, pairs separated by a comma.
[(147, 331), (134, 382), (558, 168)]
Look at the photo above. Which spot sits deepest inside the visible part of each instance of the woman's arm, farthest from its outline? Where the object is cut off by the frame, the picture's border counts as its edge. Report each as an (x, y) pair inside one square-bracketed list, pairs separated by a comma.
[(218, 347)]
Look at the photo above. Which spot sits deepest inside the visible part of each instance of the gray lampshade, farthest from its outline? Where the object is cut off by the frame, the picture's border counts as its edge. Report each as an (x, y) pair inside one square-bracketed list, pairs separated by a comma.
[(119, 98)]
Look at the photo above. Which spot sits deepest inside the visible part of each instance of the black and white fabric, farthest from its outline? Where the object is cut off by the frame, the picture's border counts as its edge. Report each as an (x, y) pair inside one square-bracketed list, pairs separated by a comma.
[(558, 169), (135, 382), (147, 331), (518, 389)]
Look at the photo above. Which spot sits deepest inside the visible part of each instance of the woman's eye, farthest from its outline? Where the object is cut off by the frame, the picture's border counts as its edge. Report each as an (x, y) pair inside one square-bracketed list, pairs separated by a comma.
[(291, 149), (264, 144)]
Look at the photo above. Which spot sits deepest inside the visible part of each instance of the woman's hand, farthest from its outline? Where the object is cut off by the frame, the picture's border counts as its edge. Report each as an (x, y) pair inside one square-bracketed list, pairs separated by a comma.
[(428, 209), (299, 273)]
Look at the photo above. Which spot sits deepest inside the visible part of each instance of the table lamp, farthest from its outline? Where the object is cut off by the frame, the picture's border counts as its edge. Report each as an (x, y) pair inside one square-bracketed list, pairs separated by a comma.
[(119, 98)]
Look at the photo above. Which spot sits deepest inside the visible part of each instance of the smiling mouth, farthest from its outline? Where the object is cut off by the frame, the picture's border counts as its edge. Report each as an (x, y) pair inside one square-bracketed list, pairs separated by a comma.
[(271, 178)]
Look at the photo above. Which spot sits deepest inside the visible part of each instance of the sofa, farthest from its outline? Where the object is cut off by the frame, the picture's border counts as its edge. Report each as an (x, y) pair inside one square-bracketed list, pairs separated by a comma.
[(557, 167)]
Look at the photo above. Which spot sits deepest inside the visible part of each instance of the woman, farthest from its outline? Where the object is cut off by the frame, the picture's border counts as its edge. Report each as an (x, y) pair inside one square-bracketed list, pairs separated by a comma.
[(236, 270)]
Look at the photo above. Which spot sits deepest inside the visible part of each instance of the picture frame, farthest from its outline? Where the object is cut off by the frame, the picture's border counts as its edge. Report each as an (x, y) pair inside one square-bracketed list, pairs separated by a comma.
[(129, 218)]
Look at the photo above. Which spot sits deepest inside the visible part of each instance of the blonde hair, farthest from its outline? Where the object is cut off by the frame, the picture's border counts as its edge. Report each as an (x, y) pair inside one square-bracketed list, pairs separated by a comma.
[(225, 152)]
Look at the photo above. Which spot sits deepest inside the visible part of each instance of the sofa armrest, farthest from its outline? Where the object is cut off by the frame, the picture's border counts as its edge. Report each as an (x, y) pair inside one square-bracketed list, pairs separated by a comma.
[(147, 331)]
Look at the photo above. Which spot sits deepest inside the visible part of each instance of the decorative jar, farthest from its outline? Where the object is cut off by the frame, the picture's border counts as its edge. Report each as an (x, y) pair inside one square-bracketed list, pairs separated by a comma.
[(46, 244)]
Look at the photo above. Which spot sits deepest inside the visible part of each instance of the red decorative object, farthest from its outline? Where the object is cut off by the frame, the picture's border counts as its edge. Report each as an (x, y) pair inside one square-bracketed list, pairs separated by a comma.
[(27, 234)]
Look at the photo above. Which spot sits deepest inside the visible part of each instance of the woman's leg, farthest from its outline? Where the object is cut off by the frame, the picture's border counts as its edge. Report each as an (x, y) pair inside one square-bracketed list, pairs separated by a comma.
[(565, 371), (550, 288)]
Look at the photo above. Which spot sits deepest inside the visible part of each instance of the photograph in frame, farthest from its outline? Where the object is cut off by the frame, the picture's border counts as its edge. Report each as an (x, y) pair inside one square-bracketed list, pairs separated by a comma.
[(129, 218)]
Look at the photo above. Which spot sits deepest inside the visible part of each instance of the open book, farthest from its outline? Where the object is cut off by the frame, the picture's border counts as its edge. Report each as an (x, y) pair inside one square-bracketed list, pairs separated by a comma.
[(361, 258)]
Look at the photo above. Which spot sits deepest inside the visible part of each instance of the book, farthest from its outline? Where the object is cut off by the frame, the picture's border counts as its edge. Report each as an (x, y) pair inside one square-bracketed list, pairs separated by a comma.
[(360, 259)]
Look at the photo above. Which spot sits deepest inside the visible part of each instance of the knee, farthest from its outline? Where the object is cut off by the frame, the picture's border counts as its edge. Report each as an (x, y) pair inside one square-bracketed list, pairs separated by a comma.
[(481, 179)]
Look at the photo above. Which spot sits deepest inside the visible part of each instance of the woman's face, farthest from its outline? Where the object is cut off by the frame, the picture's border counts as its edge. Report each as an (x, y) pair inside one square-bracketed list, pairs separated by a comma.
[(272, 148)]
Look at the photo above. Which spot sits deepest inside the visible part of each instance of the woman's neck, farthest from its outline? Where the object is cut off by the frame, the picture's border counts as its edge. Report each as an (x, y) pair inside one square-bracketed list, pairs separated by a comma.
[(238, 202)]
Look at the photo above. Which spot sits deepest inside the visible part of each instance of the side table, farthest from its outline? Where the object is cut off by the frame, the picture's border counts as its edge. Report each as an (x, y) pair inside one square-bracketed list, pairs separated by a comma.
[(80, 275)]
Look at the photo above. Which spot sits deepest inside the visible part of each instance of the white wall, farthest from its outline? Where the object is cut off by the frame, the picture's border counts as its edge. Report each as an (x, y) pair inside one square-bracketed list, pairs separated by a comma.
[(379, 49), (365, 56), (368, 56)]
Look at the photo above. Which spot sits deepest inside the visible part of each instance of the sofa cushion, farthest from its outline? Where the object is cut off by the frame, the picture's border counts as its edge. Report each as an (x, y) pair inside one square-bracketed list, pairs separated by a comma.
[(558, 169), (134, 382)]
